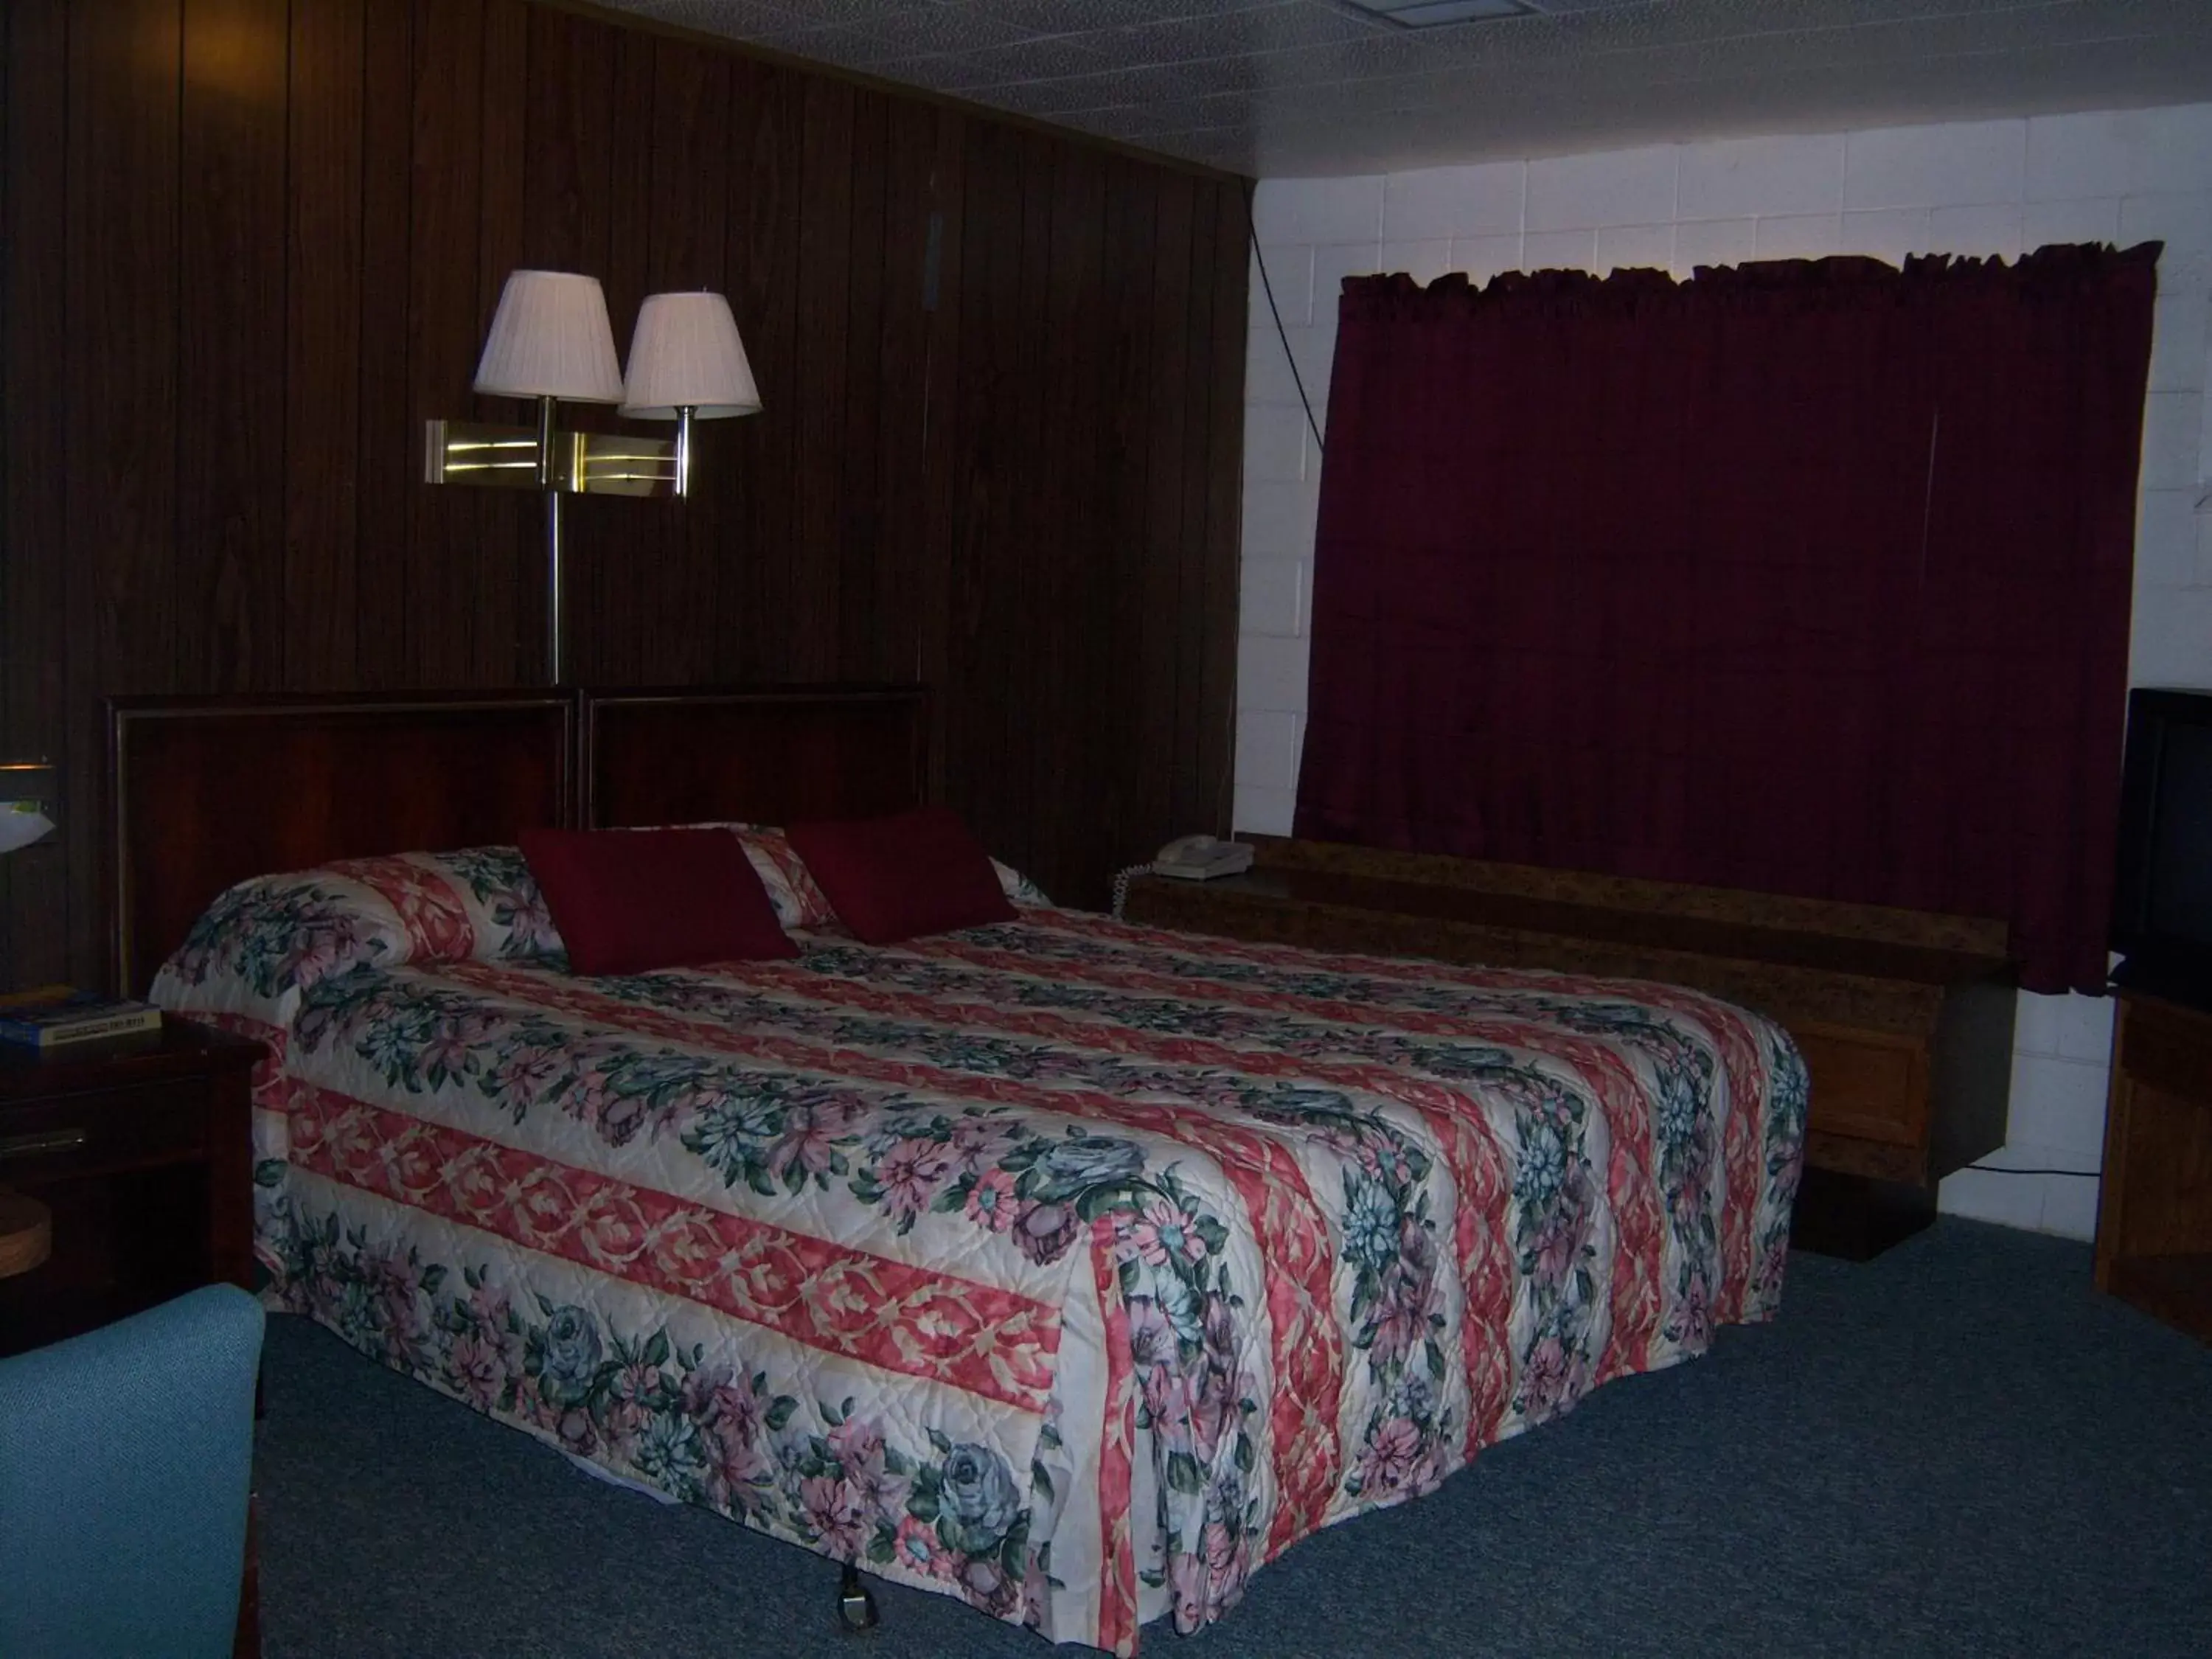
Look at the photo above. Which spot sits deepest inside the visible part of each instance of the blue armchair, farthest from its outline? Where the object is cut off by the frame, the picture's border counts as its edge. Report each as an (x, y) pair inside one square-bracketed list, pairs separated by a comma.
[(125, 1463)]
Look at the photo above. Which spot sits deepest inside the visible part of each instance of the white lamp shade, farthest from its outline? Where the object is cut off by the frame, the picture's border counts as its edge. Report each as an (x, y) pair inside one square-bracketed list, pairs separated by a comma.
[(550, 338), (686, 354), (21, 822)]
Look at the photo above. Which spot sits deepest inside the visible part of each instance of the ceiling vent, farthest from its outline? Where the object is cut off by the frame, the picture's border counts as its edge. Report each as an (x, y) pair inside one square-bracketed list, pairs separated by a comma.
[(1435, 13)]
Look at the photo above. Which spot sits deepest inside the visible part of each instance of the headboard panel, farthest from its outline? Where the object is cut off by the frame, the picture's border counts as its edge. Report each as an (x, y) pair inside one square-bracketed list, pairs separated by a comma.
[(203, 792), (766, 756)]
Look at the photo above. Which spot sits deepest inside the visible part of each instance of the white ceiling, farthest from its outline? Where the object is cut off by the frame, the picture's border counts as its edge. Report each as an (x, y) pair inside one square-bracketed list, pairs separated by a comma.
[(1278, 88)]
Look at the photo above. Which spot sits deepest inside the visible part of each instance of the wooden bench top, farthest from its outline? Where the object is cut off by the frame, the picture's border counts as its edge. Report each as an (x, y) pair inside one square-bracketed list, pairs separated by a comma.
[(1774, 943)]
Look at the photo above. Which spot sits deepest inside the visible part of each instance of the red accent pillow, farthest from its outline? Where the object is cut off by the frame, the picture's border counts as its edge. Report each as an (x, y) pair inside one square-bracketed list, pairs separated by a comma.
[(628, 901), (914, 873)]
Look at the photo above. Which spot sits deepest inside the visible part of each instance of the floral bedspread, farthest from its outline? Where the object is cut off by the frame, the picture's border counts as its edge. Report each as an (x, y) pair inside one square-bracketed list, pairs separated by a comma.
[(1072, 1269)]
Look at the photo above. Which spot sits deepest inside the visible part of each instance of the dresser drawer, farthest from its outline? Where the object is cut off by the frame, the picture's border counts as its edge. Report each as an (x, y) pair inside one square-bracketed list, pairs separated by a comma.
[(102, 1130), (1866, 1085)]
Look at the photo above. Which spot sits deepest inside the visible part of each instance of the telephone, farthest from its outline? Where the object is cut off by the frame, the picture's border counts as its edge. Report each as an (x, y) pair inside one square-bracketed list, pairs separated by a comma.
[(1201, 858)]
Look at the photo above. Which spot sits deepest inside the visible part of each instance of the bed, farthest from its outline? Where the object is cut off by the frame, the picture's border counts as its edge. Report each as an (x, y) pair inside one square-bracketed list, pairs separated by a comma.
[(1072, 1268)]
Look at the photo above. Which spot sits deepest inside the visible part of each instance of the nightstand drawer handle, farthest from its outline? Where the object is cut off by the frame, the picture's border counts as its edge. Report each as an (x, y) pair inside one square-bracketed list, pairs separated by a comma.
[(49, 1140)]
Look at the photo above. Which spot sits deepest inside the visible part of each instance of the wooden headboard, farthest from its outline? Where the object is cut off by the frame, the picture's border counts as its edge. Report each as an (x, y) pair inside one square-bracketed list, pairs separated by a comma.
[(206, 792), (766, 756), (203, 792)]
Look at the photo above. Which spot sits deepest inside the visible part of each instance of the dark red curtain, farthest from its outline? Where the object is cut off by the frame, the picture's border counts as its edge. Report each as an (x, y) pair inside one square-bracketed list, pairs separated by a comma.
[(1805, 578)]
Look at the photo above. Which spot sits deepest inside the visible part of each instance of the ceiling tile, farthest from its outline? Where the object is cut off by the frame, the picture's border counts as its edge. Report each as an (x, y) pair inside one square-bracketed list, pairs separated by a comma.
[(936, 29), (1039, 58), (1284, 88)]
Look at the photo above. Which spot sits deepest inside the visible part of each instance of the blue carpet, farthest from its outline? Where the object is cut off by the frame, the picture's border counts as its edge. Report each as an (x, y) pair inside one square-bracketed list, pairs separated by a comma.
[(1956, 1449)]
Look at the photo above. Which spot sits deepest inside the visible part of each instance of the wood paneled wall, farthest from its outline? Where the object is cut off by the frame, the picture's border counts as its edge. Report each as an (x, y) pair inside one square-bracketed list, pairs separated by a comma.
[(248, 245)]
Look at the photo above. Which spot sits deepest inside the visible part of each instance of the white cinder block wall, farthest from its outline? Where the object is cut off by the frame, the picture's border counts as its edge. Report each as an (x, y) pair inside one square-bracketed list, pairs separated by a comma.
[(1978, 188)]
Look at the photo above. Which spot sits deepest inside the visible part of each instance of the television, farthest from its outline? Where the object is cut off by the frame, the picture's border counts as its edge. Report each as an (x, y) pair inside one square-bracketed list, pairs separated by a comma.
[(2162, 897)]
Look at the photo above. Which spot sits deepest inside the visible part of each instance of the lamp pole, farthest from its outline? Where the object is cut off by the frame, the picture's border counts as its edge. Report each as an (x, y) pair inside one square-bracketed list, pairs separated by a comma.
[(550, 485), (555, 668)]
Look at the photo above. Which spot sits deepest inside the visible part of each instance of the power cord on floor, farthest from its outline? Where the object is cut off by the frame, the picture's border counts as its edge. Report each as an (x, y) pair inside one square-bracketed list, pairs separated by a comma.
[(1999, 1169)]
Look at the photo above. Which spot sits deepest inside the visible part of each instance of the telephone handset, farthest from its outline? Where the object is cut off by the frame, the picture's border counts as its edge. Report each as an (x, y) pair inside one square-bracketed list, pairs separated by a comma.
[(1201, 858)]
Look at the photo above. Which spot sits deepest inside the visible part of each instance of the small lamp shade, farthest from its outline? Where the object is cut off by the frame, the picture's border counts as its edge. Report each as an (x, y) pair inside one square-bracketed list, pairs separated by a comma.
[(685, 354), (550, 338), (21, 822)]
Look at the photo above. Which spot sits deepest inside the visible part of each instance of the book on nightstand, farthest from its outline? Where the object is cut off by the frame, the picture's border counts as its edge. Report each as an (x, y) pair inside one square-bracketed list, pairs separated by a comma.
[(54, 1016)]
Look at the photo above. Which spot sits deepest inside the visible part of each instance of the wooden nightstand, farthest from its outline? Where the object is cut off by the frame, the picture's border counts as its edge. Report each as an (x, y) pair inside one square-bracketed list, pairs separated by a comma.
[(142, 1150)]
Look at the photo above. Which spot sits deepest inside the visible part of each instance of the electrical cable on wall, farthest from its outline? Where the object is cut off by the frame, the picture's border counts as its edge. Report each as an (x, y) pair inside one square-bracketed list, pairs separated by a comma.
[(1252, 231), (1282, 335)]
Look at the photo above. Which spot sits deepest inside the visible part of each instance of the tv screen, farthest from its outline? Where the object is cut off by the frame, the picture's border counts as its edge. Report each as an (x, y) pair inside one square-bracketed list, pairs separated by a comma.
[(2162, 901), (2179, 900)]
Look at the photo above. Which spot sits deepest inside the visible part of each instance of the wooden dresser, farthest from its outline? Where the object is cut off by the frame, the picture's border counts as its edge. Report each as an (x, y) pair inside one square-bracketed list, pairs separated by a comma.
[(2154, 1206), (1904, 1020)]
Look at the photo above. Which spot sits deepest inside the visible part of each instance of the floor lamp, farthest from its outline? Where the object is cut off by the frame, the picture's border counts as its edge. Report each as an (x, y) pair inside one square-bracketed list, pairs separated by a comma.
[(549, 342)]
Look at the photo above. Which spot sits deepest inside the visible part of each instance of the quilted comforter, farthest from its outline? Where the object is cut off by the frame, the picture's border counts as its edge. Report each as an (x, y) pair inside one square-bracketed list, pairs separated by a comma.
[(1072, 1268)]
